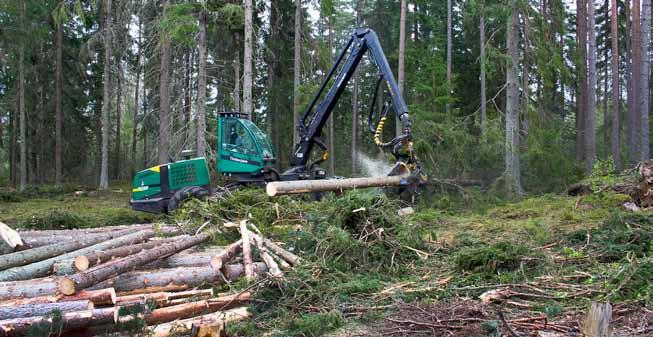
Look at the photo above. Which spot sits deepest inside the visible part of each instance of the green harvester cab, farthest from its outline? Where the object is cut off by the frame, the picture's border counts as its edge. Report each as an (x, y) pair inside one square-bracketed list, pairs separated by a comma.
[(244, 156)]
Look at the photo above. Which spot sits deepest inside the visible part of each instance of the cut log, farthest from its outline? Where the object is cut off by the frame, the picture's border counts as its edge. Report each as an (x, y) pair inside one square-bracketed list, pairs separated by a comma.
[(276, 249), (597, 322), (198, 259), (160, 299), (284, 265), (98, 297), (181, 311), (209, 325), (47, 240), (176, 279), (96, 230), (71, 284), (229, 301), (226, 255), (273, 267), (44, 267), (247, 250), (42, 309), (323, 185), (83, 262), (28, 288), (9, 239), (197, 294), (68, 321), (37, 254)]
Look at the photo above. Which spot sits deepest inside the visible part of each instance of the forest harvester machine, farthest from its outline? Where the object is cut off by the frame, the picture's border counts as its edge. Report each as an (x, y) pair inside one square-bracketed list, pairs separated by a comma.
[(244, 155)]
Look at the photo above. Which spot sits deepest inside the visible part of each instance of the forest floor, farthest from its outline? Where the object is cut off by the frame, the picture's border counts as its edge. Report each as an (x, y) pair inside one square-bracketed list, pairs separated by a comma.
[(462, 265)]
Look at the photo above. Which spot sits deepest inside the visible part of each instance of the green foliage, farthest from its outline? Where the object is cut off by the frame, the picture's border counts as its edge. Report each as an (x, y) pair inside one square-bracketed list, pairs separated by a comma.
[(619, 235), (315, 325), (232, 16), (489, 259), (180, 23), (54, 219)]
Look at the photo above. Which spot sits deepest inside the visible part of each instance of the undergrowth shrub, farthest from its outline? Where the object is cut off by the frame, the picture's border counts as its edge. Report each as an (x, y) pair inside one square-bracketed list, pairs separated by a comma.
[(620, 234), (315, 325), (488, 259), (54, 219)]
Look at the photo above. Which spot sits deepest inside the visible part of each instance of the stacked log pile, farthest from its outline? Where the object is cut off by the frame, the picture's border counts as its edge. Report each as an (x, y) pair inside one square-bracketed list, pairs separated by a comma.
[(94, 281)]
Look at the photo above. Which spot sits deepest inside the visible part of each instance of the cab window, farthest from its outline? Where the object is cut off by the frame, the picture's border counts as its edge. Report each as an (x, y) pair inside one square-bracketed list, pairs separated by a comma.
[(235, 138)]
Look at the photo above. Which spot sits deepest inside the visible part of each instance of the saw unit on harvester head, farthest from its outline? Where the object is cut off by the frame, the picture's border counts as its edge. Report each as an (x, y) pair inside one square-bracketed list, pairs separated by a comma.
[(245, 156)]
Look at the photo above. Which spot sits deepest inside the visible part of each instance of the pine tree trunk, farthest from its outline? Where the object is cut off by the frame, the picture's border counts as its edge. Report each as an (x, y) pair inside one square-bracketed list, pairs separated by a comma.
[(615, 132), (581, 32), (21, 107), (164, 95), (106, 100), (137, 92), (297, 69), (449, 52), (644, 79), (635, 69), (590, 126), (512, 173), (237, 103), (247, 61), (332, 131), (58, 147), (118, 122), (97, 297), (483, 81), (401, 70), (201, 88)]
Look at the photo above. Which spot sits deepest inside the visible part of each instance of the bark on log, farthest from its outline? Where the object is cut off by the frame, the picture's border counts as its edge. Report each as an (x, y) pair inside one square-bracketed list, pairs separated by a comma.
[(247, 250), (140, 282), (97, 230), (286, 255), (273, 267), (98, 297), (42, 268), (284, 265), (37, 254), (47, 240), (42, 309), (28, 288), (181, 311), (83, 262), (209, 325), (199, 293), (69, 321), (71, 284), (226, 255), (160, 299), (198, 259), (309, 186)]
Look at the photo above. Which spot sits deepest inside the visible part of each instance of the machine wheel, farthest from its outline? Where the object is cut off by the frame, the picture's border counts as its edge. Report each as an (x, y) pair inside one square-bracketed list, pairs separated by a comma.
[(184, 194)]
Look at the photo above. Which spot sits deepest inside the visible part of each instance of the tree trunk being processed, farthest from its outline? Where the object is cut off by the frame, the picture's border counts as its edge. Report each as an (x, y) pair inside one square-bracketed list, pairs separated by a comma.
[(297, 69), (615, 132), (310, 186), (164, 94), (512, 174), (247, 60), (590, 117), (201, 88)]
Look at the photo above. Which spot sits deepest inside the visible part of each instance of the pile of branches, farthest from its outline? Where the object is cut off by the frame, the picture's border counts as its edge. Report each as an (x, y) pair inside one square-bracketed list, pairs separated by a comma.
[(112, 279)]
